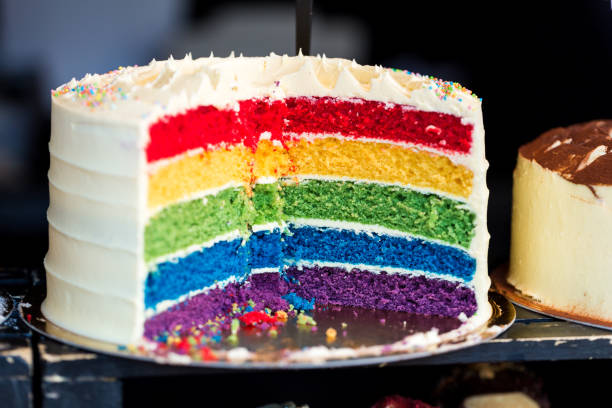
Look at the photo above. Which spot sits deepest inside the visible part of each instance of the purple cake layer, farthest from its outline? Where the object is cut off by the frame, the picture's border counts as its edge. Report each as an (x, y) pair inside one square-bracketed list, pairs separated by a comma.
[(266, 289), (328, 286), (404, 293)]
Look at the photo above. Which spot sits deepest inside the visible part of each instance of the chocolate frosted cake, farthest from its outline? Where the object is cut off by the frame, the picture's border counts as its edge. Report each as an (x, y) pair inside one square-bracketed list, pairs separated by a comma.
[(562, 218)]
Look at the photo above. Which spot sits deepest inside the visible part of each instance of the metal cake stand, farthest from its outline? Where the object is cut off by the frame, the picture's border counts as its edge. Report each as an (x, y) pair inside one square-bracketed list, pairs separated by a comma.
[(6, 305), (370, 338), (500, 281)]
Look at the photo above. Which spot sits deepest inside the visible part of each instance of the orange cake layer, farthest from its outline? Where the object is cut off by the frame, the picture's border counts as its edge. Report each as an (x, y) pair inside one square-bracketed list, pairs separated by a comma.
[(381, 162), (184, 176), (189, 174)]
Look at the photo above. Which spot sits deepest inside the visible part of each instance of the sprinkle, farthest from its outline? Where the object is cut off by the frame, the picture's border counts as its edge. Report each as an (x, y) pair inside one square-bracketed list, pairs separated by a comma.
[(184, 346), (442, 89), (331, 334), (235, 326), (94, 94), (207, 354), (344, 325), (305, 320), (253, 318), (281, 315), (232, 340)]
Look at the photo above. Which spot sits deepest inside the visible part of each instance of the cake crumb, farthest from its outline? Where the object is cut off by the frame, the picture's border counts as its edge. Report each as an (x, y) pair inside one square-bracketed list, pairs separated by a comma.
[(331, 335)]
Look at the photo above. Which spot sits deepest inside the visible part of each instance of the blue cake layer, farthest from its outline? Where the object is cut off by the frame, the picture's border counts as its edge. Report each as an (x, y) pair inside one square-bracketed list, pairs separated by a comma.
[(196, 271), (273, 249), (265, 249), (346, 246)]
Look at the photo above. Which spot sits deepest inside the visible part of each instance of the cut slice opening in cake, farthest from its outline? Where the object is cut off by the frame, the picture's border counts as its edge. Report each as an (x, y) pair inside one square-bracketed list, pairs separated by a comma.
[(307, 202), (197, 191)]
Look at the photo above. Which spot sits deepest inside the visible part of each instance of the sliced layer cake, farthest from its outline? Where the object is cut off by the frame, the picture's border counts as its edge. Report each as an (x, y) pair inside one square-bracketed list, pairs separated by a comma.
[(300, 180)]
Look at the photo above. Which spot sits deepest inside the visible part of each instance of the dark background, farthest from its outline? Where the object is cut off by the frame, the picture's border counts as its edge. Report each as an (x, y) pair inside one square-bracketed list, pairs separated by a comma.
[(536, 64)]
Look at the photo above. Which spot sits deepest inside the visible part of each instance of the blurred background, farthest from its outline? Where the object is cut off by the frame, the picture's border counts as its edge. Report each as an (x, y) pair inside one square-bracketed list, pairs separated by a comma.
[(537, 65)]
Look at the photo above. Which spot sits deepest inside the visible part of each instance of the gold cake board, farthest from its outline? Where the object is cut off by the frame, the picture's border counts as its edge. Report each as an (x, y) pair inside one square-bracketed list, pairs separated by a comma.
[(500, 282)]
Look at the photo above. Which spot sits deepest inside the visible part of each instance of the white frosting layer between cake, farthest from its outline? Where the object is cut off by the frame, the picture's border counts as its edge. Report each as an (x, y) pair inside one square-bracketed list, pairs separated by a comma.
[(98, 175)]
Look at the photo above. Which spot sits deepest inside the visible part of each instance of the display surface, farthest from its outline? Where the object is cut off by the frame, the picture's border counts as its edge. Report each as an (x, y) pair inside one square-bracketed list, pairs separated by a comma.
[(370, 337), (220, 192), (561, 222)]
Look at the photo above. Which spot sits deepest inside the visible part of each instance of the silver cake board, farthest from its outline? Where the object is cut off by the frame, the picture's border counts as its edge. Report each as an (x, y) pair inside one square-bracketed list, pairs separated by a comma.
[(500, 281), (6, 305), (373, 340)]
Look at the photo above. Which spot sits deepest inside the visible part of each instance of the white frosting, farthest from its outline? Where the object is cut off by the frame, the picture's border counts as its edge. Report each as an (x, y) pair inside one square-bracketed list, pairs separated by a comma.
[(560, 252), (98, 174), (93, 262), (172, 86), (92, 313), (93, 185)]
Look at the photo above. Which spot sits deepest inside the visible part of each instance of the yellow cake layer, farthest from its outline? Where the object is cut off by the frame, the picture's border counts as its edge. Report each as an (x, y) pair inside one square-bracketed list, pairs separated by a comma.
[(271, 160), (380, 162), (192, 173), (331, 157)]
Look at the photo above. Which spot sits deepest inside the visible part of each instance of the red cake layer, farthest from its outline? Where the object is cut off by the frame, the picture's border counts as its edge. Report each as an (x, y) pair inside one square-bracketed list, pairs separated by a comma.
[(357, 118)]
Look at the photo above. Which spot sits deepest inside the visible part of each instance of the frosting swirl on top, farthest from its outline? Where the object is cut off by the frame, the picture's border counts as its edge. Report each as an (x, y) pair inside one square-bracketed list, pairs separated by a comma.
[(172, 86), (580, 153)]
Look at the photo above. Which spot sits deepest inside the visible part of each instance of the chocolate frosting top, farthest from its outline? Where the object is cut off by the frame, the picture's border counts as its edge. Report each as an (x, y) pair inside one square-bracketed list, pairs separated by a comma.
[(580, 153)]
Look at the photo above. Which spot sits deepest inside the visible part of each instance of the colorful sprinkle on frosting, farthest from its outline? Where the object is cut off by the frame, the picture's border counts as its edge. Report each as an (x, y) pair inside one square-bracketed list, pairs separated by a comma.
[(95, 94), (443, 89)]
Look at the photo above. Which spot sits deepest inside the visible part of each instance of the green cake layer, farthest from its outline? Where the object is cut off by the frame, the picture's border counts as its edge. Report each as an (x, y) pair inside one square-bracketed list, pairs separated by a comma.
[(393, 207), (268, 203), (181, 225)]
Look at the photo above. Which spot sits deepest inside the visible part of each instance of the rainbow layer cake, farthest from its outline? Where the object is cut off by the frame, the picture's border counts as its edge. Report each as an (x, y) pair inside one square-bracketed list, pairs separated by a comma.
[(182, 188)]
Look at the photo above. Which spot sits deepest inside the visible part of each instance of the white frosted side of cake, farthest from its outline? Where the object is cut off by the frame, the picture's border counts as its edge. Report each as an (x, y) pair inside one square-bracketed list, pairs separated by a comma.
[(560, 253), (94, 265)]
